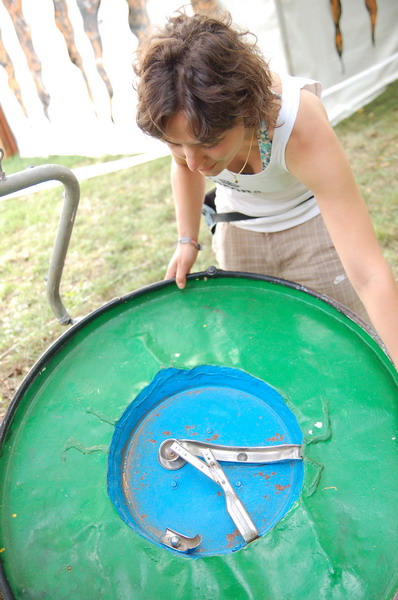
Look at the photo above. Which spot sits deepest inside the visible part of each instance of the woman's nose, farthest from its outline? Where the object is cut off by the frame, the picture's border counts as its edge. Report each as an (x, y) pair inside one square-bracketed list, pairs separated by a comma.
[(193, 158)]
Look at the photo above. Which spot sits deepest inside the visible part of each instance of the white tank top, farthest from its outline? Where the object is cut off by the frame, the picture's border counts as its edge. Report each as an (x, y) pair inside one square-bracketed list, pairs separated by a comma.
[(273, 194)]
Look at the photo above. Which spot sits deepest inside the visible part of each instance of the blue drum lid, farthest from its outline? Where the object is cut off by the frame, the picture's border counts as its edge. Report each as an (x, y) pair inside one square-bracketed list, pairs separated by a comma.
[(215, 405)]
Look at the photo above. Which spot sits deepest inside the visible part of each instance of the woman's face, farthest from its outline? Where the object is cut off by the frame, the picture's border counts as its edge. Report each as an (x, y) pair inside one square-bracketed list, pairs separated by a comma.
[(207, 159)]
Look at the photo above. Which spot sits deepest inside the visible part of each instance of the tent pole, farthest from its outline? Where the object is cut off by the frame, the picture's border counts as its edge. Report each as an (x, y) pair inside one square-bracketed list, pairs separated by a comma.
[(283, 30)]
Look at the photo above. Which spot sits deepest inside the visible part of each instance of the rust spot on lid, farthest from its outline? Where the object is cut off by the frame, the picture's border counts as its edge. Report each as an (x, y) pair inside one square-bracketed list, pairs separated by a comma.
[(277, 438), (280, 488), (265, 475), (231, 537), (213, 437)]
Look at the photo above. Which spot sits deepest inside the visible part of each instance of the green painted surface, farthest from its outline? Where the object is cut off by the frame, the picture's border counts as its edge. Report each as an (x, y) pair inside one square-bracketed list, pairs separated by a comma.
[(60, 536)]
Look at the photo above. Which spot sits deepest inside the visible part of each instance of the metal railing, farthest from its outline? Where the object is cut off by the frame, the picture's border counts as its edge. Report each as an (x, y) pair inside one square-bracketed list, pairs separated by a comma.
[(34, 176)]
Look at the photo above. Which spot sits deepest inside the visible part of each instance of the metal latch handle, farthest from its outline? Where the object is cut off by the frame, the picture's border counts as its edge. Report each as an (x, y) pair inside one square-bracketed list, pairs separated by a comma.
[(240, 454), (212, 469)]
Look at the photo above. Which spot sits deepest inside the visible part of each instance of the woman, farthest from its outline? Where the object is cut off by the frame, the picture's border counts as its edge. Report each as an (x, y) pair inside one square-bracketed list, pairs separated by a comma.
[(266, 142)]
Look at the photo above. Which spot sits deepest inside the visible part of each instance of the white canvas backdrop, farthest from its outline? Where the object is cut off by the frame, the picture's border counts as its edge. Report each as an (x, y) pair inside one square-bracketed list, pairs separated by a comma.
[(364, 69), (295, 36)]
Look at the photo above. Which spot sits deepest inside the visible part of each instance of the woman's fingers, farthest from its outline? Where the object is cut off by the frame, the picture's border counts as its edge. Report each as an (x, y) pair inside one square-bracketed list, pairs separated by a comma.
[(181, 264)]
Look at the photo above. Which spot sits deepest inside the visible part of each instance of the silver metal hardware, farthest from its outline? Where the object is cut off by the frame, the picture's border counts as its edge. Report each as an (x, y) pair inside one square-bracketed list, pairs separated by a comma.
[(235, 508), (175, 541), (193, 460), (169, 459), (248, 454), (212, 469), (173, 454), (180, 542)]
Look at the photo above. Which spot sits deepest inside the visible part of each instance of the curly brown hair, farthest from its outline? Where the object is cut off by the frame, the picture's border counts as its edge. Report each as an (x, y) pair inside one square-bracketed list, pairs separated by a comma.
[(202, 66)]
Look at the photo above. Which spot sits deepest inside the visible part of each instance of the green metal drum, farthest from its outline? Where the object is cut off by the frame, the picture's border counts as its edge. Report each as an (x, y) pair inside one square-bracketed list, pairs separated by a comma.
[(231, 360)]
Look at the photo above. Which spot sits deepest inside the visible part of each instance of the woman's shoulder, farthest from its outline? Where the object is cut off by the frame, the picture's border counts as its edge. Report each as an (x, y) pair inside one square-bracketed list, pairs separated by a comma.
[(276, 83), (312, 128), (311, 110), (285, 83)]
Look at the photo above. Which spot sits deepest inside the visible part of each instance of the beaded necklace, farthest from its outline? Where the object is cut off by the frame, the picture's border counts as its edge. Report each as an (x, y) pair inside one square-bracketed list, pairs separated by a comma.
[(264, 145)]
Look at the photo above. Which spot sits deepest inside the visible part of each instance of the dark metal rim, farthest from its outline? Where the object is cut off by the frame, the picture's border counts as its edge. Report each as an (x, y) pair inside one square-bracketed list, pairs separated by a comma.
[(211, 272)]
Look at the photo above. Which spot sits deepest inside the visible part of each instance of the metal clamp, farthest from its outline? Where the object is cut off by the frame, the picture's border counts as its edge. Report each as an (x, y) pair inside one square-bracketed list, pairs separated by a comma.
[(212, 469), (241, 454), (235, 508), (174, 454), (180, 542)]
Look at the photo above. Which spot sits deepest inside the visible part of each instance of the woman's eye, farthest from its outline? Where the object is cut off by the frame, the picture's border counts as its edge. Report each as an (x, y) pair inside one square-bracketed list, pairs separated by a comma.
[(213, 144)]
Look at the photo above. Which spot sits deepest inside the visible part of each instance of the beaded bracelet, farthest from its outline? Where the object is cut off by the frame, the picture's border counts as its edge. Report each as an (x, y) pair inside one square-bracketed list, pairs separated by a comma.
[(188, 240)]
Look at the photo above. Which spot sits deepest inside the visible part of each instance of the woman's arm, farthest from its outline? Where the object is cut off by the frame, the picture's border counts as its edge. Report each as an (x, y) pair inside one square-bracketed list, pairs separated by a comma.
[(188, 191), (316, 158)]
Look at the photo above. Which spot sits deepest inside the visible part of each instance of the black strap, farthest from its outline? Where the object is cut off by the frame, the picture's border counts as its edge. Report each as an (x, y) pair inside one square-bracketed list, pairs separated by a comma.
[(236, 216), (231, 216)]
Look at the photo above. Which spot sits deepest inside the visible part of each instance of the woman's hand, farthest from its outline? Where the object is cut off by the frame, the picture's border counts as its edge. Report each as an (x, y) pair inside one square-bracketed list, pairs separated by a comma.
[(189, 193), (181, 263)]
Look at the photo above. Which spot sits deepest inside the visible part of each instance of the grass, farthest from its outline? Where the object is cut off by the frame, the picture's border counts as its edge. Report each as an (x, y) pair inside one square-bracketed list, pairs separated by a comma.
[(370, 138), (125, 235), (18, 163)]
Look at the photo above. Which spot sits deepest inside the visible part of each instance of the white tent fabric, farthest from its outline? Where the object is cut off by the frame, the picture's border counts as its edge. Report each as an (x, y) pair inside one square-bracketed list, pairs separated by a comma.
[(294, 36), (364, 68)]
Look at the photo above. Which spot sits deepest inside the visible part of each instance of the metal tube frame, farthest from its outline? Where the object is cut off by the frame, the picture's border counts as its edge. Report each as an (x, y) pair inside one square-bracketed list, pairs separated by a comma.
[(71, 196)]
